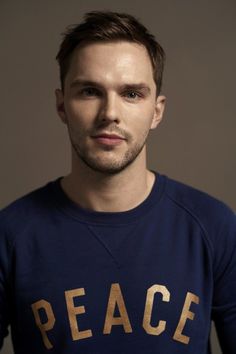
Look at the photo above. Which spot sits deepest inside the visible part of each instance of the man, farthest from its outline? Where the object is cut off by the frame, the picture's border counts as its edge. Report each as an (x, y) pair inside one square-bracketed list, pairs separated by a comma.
[(114, 258)]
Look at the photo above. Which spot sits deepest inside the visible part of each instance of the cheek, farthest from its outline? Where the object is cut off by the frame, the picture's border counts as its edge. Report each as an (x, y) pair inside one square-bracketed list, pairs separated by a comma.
[(142, 119), (139, 131), (79, 113)]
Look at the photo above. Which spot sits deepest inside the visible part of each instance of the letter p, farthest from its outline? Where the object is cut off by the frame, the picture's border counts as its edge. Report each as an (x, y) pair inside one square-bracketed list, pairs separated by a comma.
[(44, 327)]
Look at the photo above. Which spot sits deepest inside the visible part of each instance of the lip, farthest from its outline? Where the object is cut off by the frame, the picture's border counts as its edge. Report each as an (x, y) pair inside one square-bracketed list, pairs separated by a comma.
[(108, 136), (108, 139)]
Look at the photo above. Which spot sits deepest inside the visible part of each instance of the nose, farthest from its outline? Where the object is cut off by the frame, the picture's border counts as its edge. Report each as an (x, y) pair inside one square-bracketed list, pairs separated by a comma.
[(110, 109)]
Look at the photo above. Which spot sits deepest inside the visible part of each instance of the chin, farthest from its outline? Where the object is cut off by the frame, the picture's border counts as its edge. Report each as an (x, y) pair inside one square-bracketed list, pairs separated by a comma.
[(109, 167)]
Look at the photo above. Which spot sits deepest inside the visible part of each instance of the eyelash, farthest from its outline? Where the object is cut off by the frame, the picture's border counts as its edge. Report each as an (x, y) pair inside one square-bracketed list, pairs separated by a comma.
[(138, 95), (84, 90), (96, 92)]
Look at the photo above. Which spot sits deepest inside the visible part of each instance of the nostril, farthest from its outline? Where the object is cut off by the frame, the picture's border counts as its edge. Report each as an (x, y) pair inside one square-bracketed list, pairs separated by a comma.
[(109, 115)]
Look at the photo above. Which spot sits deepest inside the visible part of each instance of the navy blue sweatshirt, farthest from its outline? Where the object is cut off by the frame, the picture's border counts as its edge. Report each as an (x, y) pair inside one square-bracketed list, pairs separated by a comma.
[(148, 280)]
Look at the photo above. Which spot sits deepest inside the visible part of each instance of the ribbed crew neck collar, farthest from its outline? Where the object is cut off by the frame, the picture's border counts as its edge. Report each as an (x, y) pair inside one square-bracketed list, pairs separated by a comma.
[(71, 208)]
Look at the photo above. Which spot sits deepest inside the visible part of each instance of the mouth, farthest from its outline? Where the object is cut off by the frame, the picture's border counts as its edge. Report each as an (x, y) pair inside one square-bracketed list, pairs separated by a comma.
[(108, 139)]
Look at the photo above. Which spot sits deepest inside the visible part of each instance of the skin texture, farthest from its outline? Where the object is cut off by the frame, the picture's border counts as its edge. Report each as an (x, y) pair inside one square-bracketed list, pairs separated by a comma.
[(109, 90)]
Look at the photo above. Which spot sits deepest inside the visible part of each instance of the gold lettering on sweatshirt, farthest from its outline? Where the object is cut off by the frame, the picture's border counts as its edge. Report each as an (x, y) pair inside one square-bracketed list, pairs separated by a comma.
[(44, 327), (116, 298), (73, 311), (156, 331), (186, 314)]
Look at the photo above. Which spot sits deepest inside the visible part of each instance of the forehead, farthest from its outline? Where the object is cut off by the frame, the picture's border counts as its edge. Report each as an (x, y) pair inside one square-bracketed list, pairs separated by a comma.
[(110, 62)]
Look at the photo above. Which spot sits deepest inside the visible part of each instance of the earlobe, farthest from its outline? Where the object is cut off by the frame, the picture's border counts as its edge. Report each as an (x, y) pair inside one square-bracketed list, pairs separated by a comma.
[(60, 105), (159, 110)]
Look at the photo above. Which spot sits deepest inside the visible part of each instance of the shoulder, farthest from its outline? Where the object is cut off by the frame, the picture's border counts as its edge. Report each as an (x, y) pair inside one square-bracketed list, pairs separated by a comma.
[(19, 213), (195, 201), (213, 215)]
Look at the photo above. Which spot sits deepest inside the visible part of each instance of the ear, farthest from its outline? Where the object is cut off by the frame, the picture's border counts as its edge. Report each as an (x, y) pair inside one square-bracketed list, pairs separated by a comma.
[(60, 105), (159, 110)]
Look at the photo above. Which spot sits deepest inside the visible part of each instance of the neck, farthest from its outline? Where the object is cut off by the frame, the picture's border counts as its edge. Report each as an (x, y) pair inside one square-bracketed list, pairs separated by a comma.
[(113, 193)]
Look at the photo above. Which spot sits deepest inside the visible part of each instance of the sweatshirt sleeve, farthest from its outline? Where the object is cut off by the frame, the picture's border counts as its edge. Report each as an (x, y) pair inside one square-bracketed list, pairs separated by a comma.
[(224, 296), (4, 283)]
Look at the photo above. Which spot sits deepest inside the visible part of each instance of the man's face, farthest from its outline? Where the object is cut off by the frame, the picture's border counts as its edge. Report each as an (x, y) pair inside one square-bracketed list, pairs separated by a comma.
[(109, 104)]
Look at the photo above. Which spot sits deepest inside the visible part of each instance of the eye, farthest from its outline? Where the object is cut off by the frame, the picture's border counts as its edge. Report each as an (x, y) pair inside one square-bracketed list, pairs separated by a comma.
[(89, 92), (132, 95)]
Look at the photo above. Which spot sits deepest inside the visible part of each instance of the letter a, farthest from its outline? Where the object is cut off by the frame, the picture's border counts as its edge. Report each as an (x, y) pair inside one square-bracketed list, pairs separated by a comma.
[(116, 298)]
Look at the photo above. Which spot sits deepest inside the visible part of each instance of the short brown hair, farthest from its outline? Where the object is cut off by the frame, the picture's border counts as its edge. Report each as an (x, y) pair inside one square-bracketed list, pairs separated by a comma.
[(109, 26)]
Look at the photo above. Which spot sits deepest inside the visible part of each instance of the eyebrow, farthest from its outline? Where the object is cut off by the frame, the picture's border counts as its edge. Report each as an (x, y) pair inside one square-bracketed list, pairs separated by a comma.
[(129, 86)]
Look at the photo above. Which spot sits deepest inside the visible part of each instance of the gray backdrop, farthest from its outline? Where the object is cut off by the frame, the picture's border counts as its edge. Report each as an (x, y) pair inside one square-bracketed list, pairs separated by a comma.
[(195, 142)]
